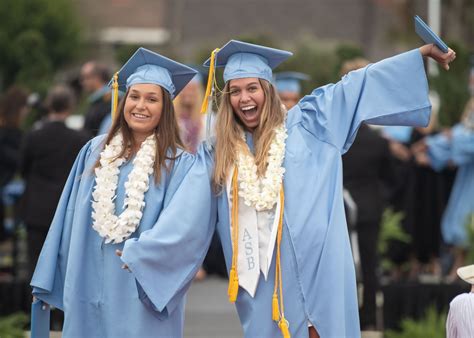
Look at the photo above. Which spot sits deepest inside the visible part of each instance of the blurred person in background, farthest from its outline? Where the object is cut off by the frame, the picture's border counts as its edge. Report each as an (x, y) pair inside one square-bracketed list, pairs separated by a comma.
[(47, 156), (460, 320), (288, 85), (454, 147), (94, 78), (190, 120), (13, 110), (367, 168)]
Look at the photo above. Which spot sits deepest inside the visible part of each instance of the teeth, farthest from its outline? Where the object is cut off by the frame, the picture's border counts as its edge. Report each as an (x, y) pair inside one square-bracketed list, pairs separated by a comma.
[(139, 115), (247, 108)]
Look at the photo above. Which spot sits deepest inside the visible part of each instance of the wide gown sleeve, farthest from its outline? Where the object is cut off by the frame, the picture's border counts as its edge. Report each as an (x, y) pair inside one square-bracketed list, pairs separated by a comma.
[(48, 278), (393, 91), (165, 259)]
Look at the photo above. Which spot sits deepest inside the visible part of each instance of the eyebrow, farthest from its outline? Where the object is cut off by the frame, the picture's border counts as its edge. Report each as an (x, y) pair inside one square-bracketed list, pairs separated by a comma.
[(135, 91), (248, 84)]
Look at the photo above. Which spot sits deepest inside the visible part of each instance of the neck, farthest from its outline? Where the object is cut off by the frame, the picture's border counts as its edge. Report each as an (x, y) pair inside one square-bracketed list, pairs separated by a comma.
[(58, 116), (472, 288), (138, 139)]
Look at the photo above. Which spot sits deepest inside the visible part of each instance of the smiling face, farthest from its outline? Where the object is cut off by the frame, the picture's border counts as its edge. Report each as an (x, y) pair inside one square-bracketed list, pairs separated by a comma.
[(143, 108), (247, 98)]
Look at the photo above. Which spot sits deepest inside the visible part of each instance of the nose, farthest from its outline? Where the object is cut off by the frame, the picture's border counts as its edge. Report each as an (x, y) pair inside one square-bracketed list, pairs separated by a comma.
[(244, 96), (140, 104)]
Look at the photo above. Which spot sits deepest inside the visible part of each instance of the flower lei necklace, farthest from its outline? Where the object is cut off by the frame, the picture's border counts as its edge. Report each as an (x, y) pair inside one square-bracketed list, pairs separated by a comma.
[(115, 229), (262, 193)]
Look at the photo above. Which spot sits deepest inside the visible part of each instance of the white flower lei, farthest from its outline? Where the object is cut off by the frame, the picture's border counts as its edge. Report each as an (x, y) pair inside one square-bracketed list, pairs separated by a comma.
[(262, 193), (116, 229)]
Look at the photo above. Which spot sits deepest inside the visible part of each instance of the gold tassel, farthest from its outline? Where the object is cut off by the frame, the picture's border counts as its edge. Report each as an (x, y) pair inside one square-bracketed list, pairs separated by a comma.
[(233, 275), (233, 288), (115, 96), (275, 309), (285, 330), (210, 83)]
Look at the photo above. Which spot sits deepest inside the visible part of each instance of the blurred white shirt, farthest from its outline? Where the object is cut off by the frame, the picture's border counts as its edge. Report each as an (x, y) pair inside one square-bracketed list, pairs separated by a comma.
[(460, 322)]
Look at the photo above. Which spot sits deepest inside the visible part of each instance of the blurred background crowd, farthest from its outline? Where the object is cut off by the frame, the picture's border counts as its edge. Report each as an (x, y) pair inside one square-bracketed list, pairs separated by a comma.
[(58, 56)]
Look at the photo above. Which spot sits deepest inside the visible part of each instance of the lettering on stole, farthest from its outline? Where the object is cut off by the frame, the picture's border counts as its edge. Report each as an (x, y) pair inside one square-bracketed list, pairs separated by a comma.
[(247, 239)]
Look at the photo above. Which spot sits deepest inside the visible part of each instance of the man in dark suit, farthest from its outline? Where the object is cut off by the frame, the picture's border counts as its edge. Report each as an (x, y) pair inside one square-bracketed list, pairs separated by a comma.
[(47, 156)]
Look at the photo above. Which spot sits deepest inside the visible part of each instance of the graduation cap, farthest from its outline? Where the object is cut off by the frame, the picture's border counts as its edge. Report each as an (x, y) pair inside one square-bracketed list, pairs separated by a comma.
[(290, 81), (243, 60), (146, 66)]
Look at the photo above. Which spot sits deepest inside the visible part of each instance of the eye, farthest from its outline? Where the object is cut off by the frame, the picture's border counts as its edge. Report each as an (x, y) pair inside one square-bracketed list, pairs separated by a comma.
[(234, 92), (153, 99), (253, 89), (133, 97)]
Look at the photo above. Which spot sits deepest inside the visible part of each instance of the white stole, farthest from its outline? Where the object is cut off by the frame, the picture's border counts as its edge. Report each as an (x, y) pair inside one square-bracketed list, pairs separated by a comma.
[(256, 238)]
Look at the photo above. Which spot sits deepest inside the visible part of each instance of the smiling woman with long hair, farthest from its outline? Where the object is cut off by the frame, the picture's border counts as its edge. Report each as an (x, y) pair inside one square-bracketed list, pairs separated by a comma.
[(131, 193), (278, 177)]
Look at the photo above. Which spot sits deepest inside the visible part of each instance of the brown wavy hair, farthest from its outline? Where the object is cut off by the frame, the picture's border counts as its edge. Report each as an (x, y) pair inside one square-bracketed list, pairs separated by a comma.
[(166, 134), (229, 129)]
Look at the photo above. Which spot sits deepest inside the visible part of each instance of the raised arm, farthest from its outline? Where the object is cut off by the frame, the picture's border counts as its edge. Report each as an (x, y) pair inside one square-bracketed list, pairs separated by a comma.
[(393, 91)]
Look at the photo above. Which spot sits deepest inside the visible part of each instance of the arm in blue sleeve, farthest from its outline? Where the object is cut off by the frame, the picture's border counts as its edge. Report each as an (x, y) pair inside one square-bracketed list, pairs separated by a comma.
[(165, 258), (439, 150), (49, 275), (462, 145), (393, 91)]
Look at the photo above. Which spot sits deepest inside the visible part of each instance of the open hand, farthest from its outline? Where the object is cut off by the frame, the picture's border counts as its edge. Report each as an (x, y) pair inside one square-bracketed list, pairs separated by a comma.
[(444, 59)]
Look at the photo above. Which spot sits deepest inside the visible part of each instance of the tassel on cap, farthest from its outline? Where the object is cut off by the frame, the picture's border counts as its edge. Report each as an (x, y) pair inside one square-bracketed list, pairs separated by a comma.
[(210, 83), (115, 96)]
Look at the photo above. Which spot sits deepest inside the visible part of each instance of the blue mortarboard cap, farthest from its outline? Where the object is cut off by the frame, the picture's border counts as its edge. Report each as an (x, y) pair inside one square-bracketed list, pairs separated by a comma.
[(146, 66), (242, 60), (200, 72), (290, 81)]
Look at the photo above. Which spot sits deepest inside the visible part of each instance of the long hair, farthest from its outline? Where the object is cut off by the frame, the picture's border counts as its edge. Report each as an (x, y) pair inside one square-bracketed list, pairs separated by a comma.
[(11, 105), (166, 134), (229, 130)]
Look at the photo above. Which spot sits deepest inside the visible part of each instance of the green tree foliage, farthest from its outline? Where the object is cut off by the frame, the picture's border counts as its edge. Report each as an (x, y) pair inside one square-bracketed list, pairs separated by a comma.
[(37, 37), (431, 325), (13, 325), (452, 86)]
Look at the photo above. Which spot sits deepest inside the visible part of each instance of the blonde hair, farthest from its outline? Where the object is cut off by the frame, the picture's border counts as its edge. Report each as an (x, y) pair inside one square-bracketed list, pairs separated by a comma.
[(229, 131)]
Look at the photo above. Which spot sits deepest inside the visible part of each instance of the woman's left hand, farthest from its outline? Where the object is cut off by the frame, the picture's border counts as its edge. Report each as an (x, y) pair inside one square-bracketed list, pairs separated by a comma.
[(444, 59), (124, 266)]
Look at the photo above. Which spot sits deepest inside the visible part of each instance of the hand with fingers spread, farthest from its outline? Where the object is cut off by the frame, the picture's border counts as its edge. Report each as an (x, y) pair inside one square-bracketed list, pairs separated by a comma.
[(444, 59)]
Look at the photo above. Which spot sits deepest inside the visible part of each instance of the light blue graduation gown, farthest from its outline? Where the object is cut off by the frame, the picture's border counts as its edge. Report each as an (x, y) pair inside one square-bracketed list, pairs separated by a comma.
[(317, 267), (80, 274), (459, 149)]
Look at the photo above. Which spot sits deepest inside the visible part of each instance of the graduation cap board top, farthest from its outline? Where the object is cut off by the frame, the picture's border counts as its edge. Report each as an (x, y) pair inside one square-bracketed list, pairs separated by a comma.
[(290, 81), (427, 35), (243, 60), (146, 66)]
